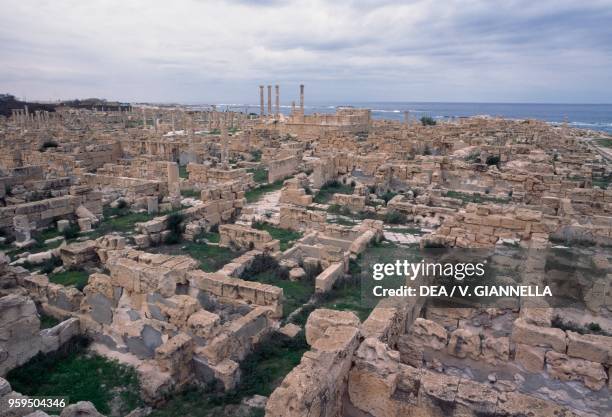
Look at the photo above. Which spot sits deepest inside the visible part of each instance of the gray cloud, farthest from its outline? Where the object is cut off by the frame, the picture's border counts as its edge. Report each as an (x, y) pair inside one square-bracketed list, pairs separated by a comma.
[(350, 50)]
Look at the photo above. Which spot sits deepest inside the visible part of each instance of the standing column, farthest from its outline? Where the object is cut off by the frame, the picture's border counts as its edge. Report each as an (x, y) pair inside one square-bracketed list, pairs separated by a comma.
[(406, 117), (302, 98), (174, 188), (269, 99), (277, 103), (144, 119), (261, 100)]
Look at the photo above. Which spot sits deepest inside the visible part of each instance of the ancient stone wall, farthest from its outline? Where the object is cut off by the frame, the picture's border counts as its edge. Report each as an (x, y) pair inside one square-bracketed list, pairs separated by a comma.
[(282, 168), (240, 237)]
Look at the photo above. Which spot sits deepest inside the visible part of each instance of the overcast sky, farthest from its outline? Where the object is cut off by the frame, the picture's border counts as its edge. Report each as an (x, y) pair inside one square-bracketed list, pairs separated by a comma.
[(219, 51)]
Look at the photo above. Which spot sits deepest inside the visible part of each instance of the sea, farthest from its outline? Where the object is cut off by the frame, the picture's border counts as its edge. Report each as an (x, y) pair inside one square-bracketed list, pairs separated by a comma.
[(585, 116)]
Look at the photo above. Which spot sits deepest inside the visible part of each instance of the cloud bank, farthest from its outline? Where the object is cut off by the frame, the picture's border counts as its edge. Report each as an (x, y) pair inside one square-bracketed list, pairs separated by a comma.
[(345, 50)]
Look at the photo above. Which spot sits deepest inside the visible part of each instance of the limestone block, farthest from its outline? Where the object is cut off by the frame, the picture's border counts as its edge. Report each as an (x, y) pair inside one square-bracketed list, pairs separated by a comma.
[(563, 367), (81, 409), (525, 333), (290, 330), (84, 224), (321, 319), (5, 387), (62, 225), (326, 279), (296, 274), (496, 349), (428, 334), (474, 398), (203, 322), (591, 347), (152, 205), (530, 357), (464, 343), (19, 331)]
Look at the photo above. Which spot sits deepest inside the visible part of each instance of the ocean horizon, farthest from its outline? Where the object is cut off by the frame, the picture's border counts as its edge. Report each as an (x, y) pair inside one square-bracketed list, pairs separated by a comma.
[(585, 116)]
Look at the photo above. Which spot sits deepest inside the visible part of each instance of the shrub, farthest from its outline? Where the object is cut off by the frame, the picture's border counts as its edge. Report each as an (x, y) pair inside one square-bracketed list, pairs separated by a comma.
[(338, 209), (263, 263), (312, 270), (594, 327), (492, 160), (366, 214), (395, 217), (122, 204), (48, 144), (388, 196), (428, 121), (256, 154), (50, 264), (71, 232), (175, 227)]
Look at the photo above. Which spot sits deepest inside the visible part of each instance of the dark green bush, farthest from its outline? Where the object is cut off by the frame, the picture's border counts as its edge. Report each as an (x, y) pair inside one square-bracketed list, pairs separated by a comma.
[(48, 144), (428, 121), (50, 264), (492, 160), (122, 204), (395, 217), (71, 232), (175, 227)]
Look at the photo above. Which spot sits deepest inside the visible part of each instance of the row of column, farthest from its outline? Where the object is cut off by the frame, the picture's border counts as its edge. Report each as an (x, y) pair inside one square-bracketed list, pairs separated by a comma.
[(277, 101)]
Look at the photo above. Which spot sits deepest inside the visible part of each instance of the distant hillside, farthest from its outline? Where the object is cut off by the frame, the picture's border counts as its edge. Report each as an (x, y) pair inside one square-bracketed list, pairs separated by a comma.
[(9, 102), (95, 103)]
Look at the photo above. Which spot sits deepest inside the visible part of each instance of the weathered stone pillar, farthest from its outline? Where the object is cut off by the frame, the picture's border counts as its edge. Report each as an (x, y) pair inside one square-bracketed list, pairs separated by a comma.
[(174, 188), (152, 205), (22, 227), (302, 98), (144, 118), (269, 99), (406, 117), (261, 100), (277, 103)]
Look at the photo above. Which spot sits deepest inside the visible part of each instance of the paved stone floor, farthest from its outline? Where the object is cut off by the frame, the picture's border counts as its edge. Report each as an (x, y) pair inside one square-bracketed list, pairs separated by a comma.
[(267, 207)]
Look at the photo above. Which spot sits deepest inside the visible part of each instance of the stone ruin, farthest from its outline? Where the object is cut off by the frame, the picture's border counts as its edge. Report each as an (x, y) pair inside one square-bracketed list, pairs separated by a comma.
[(470, 183)]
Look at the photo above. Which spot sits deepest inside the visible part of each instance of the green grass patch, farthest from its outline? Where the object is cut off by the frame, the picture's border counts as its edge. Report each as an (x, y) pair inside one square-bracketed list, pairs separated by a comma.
[(405, 230), (260, 175), (211, 257), (122, 220), (212, 237), (262, 371), (285, 236), (81, 376), (191, 193), (328, 190), (46, 322), (606, 143), (602, 182), (75, 277), (183, 171), (256, 193), (475, 197), (296, 293), (342, 220), (346, 296)]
